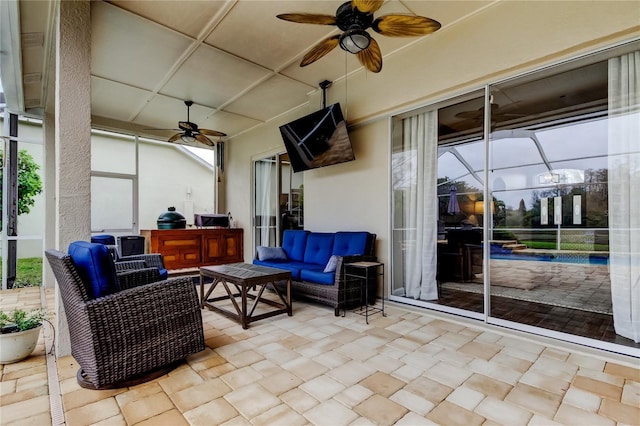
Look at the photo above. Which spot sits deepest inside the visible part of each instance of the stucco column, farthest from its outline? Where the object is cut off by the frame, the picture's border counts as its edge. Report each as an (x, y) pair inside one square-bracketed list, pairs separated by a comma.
[(72, 137)]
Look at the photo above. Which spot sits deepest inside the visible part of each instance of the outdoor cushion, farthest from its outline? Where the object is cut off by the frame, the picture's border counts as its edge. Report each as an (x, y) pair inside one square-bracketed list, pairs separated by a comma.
[(332, 264), (95, 267), (317, 276), (164, 274), (108, 240), (271, 253), (294, 242), (349, 243), (293, 267), (318, 249)]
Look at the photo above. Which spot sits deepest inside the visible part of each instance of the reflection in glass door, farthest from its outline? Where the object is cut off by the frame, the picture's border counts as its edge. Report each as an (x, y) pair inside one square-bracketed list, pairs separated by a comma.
[(549, 175)]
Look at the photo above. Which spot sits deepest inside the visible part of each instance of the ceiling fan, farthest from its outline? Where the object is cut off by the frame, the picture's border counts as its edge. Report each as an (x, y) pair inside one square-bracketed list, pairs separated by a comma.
[(353, 18), (189, 132)]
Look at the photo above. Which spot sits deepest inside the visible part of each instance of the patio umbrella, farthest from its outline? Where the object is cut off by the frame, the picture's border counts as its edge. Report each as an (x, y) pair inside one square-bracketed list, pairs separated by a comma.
[(453, 206)]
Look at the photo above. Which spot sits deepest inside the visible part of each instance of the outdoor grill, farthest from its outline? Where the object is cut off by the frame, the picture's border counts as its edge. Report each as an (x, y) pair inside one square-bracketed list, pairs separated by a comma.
[(172, 219)]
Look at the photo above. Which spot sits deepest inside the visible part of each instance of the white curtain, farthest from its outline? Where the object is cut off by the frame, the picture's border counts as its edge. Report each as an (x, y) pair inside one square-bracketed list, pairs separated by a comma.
[(420, 137), (265, 203), (624, 196)]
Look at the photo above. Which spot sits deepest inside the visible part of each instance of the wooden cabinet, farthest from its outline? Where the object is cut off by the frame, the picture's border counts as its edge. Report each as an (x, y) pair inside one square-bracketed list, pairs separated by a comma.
[(195, 247)]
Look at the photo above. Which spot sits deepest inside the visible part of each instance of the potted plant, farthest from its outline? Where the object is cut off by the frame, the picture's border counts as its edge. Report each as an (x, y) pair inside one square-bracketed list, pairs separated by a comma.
[(19, 331)]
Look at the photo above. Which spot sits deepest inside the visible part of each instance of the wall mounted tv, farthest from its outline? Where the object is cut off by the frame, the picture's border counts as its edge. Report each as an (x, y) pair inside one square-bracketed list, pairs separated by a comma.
[(318, 139)]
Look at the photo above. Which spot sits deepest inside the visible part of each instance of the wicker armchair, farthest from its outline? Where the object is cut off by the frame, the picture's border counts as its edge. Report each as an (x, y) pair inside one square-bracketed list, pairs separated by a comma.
[(138, 261), (136, 334)]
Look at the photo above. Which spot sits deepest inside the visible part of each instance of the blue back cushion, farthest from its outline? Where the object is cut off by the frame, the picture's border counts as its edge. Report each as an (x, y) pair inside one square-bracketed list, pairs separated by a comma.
[(350, 243), (294, 242), (95, 266), (109, 240), (319, 246)]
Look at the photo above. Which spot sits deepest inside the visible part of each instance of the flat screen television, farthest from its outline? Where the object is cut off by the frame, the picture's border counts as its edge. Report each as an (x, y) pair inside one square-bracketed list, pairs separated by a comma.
[(318, 139)]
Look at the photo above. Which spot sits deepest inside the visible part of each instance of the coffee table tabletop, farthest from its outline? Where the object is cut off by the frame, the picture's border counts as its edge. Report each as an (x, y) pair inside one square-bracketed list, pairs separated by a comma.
[(246, 282)]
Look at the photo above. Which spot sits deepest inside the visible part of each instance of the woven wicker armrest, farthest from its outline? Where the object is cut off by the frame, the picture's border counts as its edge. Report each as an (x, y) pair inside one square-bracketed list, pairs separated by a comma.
[(151, 259), (137, 277), (130, 264)]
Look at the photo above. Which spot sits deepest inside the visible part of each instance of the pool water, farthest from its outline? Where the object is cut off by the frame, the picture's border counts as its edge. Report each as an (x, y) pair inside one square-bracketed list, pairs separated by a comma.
[(497, 252)]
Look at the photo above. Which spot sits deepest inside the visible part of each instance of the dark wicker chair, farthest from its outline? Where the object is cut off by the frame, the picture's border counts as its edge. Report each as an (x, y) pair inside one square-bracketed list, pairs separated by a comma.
[(140, 261), (136, 261), (131, 336)]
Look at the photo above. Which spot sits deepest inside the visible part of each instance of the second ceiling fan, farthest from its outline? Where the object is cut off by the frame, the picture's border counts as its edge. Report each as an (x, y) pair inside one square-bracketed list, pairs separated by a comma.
[(189, 132), (354, 18)]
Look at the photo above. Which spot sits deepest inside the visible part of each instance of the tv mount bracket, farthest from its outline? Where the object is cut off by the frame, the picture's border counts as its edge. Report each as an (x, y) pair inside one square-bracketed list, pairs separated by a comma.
[(324, 85)]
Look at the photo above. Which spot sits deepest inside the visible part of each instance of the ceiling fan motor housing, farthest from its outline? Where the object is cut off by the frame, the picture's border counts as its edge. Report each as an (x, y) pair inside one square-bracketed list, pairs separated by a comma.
[(353, 23), (348, 18)]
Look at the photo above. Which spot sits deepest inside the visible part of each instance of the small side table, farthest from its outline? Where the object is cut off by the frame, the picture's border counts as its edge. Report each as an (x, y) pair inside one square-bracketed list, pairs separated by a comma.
[(362, 271)]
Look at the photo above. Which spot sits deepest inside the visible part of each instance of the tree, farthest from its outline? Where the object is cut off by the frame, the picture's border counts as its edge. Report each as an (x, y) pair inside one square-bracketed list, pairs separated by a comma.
[(29, 182)]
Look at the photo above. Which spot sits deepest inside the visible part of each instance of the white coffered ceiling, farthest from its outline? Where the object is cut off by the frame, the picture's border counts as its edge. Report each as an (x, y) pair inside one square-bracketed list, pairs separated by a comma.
[(233, 58)]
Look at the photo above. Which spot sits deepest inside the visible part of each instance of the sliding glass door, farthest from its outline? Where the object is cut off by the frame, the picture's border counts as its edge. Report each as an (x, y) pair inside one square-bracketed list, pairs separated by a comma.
[(536, 220), (278, 199)]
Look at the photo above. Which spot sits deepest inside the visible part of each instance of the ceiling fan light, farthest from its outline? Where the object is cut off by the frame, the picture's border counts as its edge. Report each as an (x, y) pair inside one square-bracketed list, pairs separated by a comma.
[(354, 41), (188, 138)]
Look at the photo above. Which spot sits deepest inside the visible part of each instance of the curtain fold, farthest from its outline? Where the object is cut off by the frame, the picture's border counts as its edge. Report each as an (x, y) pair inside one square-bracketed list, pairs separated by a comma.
[(624, 198), (265, 205), (420, 137)]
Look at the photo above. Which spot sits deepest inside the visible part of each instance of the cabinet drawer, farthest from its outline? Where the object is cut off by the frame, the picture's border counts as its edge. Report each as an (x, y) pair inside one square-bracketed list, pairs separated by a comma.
[(177, 259)]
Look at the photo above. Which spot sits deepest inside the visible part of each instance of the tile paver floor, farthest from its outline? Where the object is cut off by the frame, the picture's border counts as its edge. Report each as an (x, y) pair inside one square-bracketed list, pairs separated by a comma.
[(313, 368)]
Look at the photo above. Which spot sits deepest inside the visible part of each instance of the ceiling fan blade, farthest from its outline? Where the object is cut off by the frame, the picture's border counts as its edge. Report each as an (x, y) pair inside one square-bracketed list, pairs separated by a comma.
[(470, 115), (203, 139), (371, 57), (308, 18), (405, 25), (187, 126), (212, 132), (366, 6), (320, 49), (175, 137)]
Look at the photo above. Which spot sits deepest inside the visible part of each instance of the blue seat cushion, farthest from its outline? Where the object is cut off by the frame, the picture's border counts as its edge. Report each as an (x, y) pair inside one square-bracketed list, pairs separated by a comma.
[(318, 249), (293, 267), (95, 267), (350, 243), (316, 275)]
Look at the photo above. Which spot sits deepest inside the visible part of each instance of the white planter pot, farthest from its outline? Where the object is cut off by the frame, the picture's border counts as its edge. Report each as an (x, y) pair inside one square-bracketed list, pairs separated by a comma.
[(17, 346)]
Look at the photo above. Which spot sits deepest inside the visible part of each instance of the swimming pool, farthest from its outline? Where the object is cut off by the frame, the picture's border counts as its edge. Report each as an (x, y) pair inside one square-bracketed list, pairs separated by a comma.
[(581, 258)]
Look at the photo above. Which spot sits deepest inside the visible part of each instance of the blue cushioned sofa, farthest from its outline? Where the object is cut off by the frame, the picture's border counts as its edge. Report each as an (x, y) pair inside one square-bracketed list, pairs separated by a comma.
[(316, 261)]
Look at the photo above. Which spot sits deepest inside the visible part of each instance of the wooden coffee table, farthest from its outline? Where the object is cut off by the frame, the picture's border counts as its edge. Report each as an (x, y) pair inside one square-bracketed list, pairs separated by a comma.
[(245, 281)]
